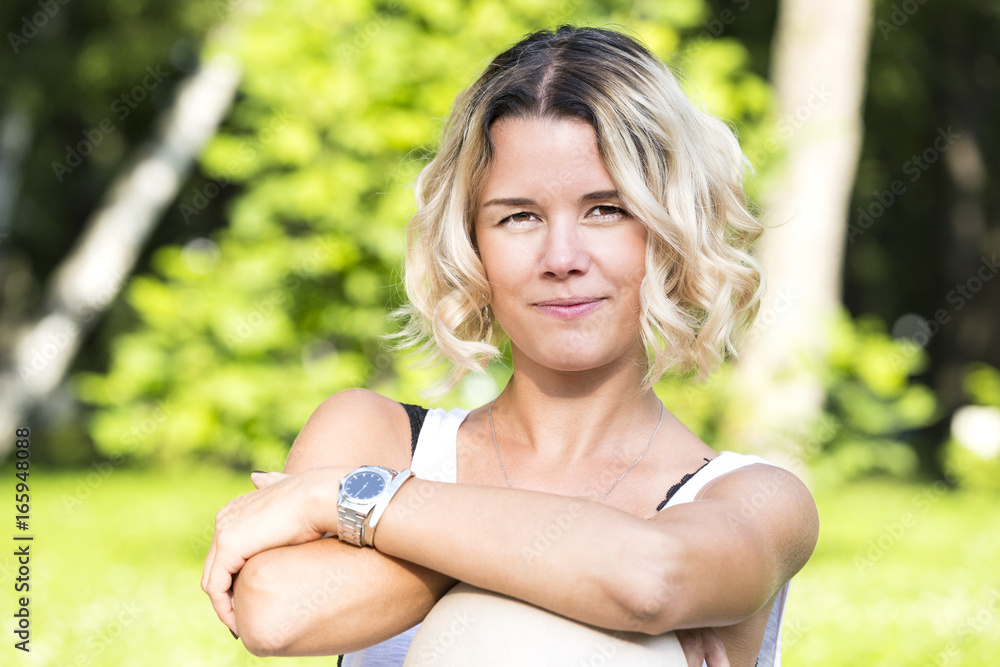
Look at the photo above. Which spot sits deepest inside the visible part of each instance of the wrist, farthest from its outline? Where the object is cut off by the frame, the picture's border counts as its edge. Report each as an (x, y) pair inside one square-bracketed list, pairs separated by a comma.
[(362, 496), (376, 514), (323, 497), (410, 498)]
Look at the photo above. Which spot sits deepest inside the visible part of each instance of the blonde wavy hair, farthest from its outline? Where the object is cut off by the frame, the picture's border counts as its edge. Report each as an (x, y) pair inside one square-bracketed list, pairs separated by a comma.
[(678, 170)]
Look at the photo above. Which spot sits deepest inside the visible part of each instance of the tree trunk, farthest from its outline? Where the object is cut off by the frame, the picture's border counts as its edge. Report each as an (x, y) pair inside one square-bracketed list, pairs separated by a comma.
[(93, 273), (818, 71)]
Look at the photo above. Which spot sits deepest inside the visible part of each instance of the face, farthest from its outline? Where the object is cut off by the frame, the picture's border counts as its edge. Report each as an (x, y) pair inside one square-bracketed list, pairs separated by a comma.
[(563, 256)]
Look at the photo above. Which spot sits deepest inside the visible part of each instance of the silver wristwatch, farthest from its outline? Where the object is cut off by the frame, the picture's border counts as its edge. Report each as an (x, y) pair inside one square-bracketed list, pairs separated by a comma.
[(364, 494)]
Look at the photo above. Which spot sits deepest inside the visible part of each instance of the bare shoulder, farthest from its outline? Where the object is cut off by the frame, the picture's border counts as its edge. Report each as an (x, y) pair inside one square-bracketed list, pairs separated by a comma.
[(775, 503), (351, 428)]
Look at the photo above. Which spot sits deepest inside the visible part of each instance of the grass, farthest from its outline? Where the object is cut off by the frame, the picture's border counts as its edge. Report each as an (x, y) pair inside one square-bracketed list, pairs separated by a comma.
[(903, 575)]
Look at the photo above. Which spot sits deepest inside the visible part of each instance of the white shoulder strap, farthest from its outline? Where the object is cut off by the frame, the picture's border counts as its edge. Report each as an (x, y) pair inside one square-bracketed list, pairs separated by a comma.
[(436, 456), (725, 462)]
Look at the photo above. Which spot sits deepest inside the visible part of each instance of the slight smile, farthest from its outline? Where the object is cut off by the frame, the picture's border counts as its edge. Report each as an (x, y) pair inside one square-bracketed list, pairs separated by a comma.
[(570, 309)]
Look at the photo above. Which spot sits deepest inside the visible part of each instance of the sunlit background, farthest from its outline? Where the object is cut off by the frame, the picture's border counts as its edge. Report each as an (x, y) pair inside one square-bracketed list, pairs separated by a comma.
[(202, 220)]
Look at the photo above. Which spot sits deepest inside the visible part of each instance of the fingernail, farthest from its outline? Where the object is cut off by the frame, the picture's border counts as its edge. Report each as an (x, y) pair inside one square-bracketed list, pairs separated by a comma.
[(235, 636)]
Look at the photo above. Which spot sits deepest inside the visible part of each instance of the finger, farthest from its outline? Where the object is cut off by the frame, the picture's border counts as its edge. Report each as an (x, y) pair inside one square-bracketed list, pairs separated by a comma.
[(691, 642), (222, 601), (209, 557), (262, 479), (207, 566), (224, 567), (223, 605), (220, 519), (230, 511), (715, 650)]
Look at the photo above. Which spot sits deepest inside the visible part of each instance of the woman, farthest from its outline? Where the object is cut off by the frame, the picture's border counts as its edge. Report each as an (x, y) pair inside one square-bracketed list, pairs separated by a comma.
[(581, 204)]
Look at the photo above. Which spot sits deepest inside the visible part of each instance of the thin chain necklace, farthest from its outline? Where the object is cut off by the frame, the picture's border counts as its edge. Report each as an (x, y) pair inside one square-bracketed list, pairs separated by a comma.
[(497, 448)]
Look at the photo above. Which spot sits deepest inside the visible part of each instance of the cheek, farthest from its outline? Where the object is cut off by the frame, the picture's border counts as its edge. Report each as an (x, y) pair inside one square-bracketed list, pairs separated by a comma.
[(504, 267), (625, 262)]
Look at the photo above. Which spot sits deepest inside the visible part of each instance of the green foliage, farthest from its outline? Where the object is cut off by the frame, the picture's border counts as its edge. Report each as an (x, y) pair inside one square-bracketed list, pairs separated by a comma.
[(872, 406), (872, 403), (982, 384), (241, 335), (971, 455)]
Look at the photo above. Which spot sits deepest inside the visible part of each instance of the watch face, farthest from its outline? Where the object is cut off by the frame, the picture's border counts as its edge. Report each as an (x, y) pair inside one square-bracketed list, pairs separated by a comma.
[(364, 485)]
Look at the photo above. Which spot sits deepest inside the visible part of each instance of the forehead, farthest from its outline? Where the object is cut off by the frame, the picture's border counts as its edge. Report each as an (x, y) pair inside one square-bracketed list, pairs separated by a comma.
[(544, 157)]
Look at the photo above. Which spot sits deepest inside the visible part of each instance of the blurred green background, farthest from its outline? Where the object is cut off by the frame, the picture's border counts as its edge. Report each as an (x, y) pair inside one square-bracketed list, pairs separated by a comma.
[(262, 281)]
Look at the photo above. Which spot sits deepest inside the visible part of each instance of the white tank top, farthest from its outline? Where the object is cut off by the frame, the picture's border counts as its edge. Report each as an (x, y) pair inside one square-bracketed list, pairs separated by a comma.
[(436, 458)]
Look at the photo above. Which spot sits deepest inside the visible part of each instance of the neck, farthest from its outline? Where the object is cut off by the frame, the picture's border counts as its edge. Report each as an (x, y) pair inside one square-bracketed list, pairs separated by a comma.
[(561, 418)]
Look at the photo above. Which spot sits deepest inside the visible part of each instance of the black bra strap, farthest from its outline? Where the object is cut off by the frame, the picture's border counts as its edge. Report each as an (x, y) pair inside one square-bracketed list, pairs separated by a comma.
[(678, 485), (416, 415)]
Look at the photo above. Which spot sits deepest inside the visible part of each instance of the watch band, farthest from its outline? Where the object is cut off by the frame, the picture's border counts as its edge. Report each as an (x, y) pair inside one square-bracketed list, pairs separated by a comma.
[(383, 502), (356, 525), (350, 526)]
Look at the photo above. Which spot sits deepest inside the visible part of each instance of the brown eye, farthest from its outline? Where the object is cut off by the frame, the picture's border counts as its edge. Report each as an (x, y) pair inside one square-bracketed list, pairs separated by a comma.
[(516, 218), (609, 212)]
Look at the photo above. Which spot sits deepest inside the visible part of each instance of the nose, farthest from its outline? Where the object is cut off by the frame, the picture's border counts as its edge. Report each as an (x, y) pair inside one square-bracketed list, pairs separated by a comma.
[(565, 251)]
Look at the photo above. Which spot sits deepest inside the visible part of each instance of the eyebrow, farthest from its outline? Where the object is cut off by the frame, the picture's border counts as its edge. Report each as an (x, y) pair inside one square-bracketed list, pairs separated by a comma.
[(522, 201)]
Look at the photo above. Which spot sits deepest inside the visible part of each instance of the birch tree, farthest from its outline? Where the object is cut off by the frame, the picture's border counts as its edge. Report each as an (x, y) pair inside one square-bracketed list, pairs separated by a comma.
[(95, 270)]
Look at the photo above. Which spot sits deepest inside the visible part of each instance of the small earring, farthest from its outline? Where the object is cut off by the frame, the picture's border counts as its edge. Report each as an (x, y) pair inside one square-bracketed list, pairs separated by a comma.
[(487, 321)]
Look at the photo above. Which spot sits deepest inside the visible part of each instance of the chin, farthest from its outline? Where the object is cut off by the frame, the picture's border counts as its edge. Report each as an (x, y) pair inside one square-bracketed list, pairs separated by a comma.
[(573, 354), (572, 361)]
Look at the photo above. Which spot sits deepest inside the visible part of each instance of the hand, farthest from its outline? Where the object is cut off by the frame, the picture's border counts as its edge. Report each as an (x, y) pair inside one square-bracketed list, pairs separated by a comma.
[(284, 510), (702, 644)]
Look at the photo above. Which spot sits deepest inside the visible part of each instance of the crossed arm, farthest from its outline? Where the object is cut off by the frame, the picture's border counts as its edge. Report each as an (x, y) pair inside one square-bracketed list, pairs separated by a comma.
[(698, 564)]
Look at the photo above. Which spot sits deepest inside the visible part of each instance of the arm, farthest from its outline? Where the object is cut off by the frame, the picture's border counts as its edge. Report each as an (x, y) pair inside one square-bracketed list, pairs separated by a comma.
[(699, 564), (324, 597), (694, 565)]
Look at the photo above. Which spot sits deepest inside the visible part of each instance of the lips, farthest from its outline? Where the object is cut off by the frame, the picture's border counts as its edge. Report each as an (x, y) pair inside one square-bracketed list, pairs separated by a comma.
[(573, 301), (570, 308)]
